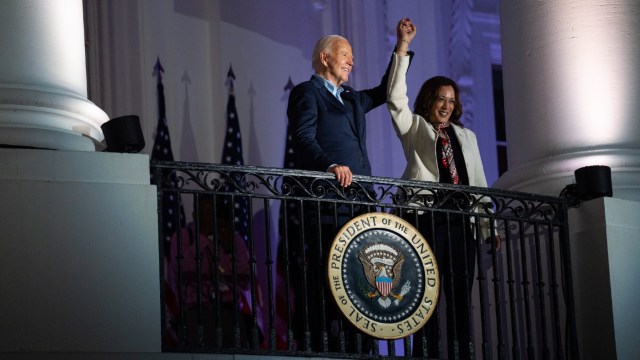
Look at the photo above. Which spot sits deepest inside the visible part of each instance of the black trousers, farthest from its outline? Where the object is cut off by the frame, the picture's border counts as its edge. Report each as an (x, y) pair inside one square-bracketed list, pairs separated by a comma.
[(202, 326), (318, 321), (452, 240)]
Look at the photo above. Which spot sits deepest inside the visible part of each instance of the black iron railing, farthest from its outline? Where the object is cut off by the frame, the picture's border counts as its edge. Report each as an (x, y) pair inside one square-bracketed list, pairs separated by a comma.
[(246, 274)]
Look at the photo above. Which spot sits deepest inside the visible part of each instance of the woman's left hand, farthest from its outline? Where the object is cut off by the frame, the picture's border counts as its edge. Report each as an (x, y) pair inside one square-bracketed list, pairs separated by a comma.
[(494, 240)]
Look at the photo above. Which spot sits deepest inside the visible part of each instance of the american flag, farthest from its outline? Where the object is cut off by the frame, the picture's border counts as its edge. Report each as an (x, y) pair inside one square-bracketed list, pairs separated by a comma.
[(232, 155), (172, 211), (287, 253), (289, 156)]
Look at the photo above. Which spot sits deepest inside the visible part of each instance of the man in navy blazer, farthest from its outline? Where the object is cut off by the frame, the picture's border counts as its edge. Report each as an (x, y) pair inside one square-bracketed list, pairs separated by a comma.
[(328, 119)]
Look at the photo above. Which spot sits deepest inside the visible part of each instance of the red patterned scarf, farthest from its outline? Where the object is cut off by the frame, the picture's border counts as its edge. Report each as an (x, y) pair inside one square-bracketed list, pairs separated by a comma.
[(447, 152)]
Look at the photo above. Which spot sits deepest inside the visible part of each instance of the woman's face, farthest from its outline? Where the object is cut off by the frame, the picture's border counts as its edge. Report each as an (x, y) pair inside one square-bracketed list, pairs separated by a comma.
[(442, 107)]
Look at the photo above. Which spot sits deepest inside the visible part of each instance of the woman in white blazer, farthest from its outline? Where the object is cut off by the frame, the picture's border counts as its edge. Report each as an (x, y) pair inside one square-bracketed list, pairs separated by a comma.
[(438, 148)]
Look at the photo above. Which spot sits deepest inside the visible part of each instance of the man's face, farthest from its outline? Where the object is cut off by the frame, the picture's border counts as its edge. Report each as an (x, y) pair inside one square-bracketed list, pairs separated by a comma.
[(338, 62)]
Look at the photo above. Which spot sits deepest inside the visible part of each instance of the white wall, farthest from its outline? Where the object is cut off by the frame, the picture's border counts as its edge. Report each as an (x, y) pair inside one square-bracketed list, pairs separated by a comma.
[(604, 263), (78, 252)]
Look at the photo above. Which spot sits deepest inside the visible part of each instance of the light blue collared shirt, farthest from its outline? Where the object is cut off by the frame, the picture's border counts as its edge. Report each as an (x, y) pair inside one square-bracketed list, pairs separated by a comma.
[(335, 90)]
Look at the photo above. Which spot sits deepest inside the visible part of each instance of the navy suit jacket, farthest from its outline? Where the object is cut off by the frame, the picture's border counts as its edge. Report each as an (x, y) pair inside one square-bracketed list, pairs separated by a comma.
[(326, 132)]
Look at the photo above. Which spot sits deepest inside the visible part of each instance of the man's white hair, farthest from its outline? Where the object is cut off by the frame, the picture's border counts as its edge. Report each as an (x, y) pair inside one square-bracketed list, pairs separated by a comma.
[(323, 45)]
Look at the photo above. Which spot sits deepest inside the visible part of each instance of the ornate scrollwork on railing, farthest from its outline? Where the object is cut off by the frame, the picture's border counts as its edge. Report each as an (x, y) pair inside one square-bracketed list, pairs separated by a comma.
[(529, 208), (531, 230), (374, 191)]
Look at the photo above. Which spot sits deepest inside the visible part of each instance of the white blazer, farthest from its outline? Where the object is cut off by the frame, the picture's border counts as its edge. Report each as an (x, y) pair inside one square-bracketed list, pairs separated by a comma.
[(419, 138)]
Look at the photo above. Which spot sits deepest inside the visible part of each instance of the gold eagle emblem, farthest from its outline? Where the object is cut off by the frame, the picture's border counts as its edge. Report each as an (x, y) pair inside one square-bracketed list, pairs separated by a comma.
[(382, 265)]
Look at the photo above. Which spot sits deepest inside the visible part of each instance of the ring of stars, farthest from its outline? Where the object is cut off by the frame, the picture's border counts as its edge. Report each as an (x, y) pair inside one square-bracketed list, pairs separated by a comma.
[(412, 262)]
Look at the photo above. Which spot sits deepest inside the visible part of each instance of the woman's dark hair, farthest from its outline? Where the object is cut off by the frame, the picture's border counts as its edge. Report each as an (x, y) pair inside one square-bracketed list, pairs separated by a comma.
[(428, 95)]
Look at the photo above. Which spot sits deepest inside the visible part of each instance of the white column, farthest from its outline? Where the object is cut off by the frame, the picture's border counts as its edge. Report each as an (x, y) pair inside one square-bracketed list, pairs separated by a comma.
[(604, 264), (571, 80), (43, 82)]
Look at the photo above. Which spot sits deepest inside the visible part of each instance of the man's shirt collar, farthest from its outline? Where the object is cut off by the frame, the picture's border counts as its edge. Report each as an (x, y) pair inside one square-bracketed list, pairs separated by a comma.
[(335, 90)]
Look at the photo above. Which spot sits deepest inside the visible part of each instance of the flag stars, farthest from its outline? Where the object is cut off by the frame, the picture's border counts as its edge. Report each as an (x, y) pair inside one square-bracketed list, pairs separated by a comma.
[(232, 155), (162, 152)]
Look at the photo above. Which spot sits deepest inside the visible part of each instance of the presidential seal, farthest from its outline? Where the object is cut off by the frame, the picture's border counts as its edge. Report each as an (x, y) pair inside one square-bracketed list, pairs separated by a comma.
[(383, 275)]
